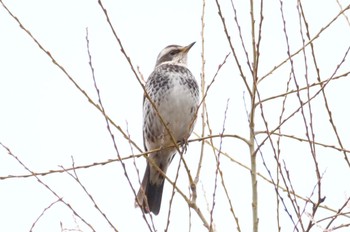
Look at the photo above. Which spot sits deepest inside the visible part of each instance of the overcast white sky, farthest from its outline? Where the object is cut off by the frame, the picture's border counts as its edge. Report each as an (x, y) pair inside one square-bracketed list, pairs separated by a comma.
[(45, 120)]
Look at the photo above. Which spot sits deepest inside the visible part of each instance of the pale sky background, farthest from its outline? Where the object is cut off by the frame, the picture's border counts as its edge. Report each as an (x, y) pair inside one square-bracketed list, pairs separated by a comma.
[(45, 120)]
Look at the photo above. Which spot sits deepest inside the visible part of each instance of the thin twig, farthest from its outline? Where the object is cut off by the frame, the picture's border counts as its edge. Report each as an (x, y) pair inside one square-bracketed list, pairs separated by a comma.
[(233, 49), (47, 187), (337, 77), (42, 214), (217, 171), (76, 178), (268, 180), (306, 44), (108, 126), (71, 79)]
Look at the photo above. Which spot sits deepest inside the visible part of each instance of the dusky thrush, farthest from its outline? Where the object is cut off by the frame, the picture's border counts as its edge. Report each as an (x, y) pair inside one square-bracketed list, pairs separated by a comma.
[(175, 94)]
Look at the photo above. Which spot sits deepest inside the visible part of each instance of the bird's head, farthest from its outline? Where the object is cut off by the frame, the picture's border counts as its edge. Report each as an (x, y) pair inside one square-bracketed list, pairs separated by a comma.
[(174, 54)]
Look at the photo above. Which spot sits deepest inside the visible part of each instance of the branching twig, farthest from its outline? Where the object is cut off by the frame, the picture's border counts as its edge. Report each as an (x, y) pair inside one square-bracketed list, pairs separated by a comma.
[(76, 178), (47, 187), (306, 44), (244, 78)]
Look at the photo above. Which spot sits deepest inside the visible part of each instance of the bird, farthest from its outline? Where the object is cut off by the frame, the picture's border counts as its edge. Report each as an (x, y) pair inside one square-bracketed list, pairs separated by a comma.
[(174, 92)]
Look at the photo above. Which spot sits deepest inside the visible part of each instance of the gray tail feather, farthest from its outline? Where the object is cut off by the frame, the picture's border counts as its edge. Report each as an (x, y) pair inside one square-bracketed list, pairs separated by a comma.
[(149, 196)]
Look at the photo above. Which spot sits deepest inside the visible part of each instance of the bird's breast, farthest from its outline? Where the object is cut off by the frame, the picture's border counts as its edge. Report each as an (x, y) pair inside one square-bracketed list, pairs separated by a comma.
[(178, 107), (175, 94)]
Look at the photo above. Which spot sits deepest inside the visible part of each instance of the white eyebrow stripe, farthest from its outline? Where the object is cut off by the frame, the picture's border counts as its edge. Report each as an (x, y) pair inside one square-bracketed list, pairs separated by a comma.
[(167, 50)]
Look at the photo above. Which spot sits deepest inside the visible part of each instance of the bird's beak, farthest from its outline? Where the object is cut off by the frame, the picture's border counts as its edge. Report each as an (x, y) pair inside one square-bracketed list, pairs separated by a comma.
[(187, 48)]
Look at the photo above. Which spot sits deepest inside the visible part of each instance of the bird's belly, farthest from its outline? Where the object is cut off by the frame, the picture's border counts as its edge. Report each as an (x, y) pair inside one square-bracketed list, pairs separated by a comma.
[(178, 109)]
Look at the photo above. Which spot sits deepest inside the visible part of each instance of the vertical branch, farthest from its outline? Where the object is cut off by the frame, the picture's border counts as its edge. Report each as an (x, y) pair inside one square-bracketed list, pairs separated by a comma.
[(196, 179), (254, 182), (253, 171)]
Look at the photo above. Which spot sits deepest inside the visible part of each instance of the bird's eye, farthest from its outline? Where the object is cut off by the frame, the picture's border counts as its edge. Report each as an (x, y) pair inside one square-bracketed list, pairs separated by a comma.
[(174, 52)]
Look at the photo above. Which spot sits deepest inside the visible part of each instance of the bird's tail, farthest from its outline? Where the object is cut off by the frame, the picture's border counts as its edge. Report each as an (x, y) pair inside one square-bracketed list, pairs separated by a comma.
[(149, 197)]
